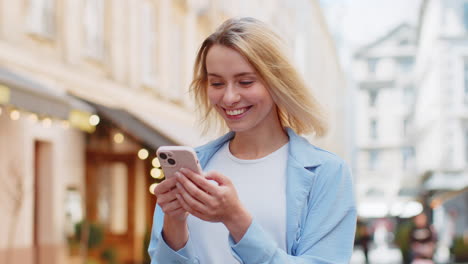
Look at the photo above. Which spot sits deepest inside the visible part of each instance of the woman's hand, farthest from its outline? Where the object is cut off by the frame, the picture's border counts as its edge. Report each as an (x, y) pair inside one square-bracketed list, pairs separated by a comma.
[(175, 230), (166, 198), (210, 202)]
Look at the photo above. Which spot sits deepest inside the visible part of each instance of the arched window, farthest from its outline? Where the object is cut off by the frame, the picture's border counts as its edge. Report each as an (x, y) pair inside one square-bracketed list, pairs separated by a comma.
[(94, 28), (41, 17)]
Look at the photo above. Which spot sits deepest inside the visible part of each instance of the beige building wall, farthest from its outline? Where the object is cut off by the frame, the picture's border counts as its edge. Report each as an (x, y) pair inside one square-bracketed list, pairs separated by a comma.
[(117, 77), (137, 55), (60, 158)]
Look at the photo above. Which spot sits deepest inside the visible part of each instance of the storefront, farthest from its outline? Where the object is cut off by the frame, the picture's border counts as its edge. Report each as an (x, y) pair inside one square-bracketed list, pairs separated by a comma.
[(42, 147), (67, 163)]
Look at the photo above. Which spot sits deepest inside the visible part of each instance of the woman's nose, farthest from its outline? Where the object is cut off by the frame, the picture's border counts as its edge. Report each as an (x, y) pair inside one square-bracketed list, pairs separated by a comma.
[(231, 96)]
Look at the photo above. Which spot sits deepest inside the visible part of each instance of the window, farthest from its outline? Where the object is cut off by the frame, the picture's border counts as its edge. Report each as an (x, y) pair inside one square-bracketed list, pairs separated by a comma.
[(148, 43), (375, 192), (466, 146), (405, 127), (405, 63), (177, 89), (403, 42), (407, 154), (41, 17), (94, 28), (373, 159), (465, 15), (112, 196), (373, 97), (373, 129), (408, 94), (465, 77), (372, 65), (73, 210)]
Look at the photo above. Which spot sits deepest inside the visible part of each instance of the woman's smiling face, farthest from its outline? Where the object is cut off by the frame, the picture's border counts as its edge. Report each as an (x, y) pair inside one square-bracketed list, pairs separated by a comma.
[(236, 91)]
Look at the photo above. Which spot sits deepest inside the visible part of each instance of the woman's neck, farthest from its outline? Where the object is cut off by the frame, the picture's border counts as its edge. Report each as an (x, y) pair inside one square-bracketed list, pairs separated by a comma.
[(259, 142)]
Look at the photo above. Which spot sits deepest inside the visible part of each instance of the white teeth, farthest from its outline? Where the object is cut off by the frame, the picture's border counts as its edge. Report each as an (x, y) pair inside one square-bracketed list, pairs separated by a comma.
[(236, 112)]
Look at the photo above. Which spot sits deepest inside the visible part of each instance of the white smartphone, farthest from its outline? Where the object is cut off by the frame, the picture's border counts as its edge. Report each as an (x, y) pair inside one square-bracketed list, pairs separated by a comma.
[(172, 158)]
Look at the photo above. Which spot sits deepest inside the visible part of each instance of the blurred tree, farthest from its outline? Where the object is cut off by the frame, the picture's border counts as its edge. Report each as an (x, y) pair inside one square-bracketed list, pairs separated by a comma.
[(146, 241), (13, 186), (402, 239), (460, 249), (95, 233)]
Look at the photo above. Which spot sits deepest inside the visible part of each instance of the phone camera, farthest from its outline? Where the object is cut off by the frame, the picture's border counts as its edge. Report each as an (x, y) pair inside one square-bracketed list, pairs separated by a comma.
[(171, 161), (163, 156)]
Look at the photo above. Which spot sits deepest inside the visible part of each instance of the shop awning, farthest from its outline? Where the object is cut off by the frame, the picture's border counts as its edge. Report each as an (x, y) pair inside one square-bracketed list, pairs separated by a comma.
[(31, 96), (133, 126), (447, 181)]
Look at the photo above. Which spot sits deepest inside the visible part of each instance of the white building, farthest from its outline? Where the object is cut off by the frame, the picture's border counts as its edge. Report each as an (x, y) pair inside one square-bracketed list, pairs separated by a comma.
[(441, 109), (384, 165)]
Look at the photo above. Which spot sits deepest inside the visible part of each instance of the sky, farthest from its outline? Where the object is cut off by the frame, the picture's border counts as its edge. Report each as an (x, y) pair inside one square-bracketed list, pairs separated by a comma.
[(355, 23)]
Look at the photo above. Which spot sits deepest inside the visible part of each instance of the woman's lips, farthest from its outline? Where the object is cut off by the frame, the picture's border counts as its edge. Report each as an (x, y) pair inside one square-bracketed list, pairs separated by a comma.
[(236, 113)]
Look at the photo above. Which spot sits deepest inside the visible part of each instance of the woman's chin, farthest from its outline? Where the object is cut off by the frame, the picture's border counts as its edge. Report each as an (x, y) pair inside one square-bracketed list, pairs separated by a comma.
[(238, 127)]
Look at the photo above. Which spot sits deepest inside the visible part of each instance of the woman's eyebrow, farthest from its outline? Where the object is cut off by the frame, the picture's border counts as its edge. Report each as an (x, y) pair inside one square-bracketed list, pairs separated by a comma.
[(244, 73), (214, 74), (236, 75)]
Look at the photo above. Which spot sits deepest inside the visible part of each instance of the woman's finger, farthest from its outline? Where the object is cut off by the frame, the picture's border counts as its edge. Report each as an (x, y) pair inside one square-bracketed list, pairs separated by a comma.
[(218, 177), (171, 206), (165, 186), (167, 197), (189, 200), (199, 180), (187, 207), (192, 188)]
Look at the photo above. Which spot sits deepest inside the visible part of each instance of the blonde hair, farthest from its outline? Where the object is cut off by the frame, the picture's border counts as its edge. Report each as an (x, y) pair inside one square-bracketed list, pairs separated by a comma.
[(297, 108)]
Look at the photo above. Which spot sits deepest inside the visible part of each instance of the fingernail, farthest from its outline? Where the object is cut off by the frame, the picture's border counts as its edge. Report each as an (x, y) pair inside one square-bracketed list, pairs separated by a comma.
[(178, 174), (183, 169)]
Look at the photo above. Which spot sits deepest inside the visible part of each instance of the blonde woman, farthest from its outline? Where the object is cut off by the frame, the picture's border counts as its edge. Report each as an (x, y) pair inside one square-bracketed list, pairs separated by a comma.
[(278, 199)]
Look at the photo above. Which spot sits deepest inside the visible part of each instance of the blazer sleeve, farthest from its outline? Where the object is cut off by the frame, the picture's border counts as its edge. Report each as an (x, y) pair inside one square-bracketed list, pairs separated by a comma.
[(328, 225), (158, 249)]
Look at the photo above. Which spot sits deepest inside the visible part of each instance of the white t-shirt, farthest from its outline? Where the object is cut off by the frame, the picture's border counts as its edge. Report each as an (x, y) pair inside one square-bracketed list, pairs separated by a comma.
[(261, 187)]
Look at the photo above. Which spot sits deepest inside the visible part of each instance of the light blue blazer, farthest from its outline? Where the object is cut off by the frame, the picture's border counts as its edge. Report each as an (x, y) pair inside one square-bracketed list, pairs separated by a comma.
[(320, 221)]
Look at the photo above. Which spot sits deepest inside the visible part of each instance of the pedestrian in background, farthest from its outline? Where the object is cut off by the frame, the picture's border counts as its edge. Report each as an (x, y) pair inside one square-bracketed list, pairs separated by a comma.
[(278, 198), (363, 238), (422, 240)]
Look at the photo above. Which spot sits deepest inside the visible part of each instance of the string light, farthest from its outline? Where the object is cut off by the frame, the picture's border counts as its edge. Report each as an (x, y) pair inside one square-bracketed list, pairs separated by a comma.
[(152, 187), (65, 124), (94, 120), (119, 138), (47, 122), (143, 154), (155, 162), (15, 115), (33, 117), (156, 173)]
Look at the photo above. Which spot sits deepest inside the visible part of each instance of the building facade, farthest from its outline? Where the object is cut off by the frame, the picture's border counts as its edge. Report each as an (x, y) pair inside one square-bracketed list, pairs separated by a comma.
[(384, 159), (120, 71), (441, 112)]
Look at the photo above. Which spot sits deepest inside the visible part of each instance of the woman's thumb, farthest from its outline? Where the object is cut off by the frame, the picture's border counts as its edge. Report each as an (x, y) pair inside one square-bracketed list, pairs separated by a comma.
[(217, 177)]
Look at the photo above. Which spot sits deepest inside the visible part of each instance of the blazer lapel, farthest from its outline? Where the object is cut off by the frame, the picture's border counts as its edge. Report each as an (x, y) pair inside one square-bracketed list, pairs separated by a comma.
[(299, 181), (298, 185)]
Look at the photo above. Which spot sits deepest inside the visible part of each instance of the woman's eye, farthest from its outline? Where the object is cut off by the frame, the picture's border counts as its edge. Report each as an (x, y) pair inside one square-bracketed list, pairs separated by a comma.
[(216, 84), (246, 83)]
